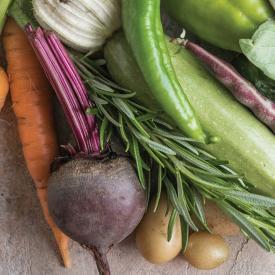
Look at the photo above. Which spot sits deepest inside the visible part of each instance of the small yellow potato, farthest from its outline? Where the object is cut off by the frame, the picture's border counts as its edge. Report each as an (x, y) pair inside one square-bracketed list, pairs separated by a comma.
[(206, 251), (151, 234)]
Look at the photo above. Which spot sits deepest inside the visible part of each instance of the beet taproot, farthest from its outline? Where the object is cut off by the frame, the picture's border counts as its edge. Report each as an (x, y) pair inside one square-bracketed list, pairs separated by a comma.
[(94, 195), (96, 203)]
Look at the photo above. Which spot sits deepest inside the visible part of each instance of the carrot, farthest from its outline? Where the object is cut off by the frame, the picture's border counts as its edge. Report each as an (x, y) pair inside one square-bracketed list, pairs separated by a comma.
[(4, 87), (32, 102)]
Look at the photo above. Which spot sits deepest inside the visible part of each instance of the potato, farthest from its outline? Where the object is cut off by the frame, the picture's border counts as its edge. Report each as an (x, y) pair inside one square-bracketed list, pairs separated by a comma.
[(206, 251), (151, 234), (218, 222)]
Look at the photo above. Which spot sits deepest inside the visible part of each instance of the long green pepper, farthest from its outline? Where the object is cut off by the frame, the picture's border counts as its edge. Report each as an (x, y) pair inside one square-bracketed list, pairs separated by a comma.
[(143, 30)]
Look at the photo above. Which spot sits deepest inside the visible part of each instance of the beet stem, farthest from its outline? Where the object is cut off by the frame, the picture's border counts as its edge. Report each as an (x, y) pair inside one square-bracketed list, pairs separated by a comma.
[(79, 88), (69, 89)]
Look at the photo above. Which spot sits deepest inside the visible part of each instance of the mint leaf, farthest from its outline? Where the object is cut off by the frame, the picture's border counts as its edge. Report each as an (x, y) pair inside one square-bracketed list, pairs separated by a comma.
[(260, 50)]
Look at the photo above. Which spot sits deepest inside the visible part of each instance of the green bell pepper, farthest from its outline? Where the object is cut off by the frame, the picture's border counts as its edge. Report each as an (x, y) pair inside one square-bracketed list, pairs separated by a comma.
[(222, 23)]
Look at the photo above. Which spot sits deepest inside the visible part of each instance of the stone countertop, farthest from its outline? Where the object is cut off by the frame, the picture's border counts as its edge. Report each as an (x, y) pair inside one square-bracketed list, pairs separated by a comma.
[(27, 246)]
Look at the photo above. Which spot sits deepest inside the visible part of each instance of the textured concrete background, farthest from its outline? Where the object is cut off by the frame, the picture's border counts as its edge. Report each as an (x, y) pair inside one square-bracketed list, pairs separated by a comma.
[(27, 246)]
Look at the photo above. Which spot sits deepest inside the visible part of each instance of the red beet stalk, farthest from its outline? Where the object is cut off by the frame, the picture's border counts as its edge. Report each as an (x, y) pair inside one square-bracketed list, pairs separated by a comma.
[(241, 89), (68, 86)]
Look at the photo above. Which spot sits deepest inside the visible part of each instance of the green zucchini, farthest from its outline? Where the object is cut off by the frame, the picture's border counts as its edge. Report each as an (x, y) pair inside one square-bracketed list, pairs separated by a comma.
[(245, 142)]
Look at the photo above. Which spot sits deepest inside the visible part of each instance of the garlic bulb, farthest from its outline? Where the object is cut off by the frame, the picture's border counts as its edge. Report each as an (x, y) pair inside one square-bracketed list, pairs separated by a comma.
[(81, 24)]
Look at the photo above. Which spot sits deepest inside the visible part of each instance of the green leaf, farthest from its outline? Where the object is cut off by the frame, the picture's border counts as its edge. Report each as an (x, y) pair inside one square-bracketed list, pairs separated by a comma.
[(109, 134), (164, 123), (123, 106), (140, 107), (181, 208), (184, 233), (159, 187), (199, 209), (252, 199), (154, 145), (91, 111), (98, 100), (171, 225), (114, 95), (199, 180), (181, 196), (138, 125), (260, 50), (148, 189), (123, 133), (107, 115), (146, 117), (191, 158), (188, 146), (138, 162), (172, 136), (244, 224), (197, 175), (152, 154), (102, 131), (101, 86)]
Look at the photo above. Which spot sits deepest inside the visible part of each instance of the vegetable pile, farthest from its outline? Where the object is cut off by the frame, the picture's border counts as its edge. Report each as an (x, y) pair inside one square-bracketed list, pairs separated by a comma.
[(197, 133)]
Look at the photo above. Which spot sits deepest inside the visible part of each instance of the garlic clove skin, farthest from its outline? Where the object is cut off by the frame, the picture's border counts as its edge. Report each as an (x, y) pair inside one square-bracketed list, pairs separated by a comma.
[(74, 37), (107, 12), (83, 25)]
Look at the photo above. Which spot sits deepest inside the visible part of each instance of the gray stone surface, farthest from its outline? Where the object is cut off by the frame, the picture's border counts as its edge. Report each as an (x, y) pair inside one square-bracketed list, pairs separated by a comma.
[(27, 246)]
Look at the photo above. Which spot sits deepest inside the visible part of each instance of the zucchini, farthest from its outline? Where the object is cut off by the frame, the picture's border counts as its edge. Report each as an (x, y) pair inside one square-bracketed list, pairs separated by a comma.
[(246, 143)]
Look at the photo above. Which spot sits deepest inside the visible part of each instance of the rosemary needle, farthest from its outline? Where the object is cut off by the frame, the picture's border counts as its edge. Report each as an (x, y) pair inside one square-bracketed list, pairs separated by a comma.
[(190, 174)]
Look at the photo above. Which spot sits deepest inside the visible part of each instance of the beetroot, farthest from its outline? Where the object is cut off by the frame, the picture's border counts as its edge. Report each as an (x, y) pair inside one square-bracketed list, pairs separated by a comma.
[(96, 200), (96, 203)]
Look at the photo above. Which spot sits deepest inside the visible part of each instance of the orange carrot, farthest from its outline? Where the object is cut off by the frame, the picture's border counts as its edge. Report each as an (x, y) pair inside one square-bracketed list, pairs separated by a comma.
[(32, 102), (4, 87)]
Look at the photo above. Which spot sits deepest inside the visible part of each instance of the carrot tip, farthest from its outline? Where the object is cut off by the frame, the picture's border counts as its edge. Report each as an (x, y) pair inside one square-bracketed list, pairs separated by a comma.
[(62, 242), (61, 239)]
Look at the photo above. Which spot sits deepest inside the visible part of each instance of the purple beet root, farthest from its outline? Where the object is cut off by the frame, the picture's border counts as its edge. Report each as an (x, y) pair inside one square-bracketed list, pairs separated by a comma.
[(96, 203)]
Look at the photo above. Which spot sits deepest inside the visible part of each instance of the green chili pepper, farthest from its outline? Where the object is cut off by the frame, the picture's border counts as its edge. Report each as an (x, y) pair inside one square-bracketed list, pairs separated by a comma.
[(222, 23), (143, 29)]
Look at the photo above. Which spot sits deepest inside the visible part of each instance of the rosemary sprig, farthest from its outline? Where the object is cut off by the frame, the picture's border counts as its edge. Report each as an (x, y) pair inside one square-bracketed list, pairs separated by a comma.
[(190, 174)]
